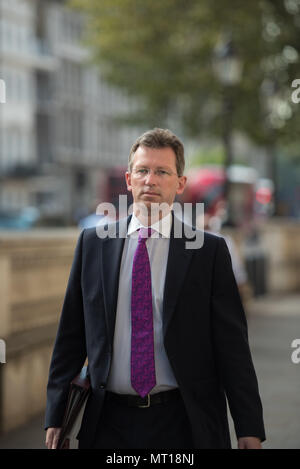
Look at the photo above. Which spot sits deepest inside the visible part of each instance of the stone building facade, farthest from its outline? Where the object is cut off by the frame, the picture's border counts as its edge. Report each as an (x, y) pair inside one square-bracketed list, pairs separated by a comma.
[(58, 135)]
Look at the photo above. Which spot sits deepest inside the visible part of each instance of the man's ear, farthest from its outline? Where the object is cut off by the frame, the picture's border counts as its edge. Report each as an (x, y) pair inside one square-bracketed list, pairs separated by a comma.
[(128, 181), (181, 185)]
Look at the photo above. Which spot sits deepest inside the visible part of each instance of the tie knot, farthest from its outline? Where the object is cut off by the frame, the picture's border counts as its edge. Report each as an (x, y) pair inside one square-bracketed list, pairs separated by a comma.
[(145, 233)]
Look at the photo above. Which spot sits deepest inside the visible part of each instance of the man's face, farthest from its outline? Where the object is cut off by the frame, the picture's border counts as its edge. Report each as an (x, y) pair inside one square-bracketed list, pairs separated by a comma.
[(153, 178)]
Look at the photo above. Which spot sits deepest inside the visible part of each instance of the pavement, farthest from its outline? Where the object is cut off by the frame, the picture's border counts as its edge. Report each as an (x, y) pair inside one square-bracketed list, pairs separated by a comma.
[(273, 323)]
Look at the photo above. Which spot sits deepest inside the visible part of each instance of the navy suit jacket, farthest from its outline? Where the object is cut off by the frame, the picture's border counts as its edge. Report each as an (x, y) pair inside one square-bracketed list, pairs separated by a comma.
[(205, 336)]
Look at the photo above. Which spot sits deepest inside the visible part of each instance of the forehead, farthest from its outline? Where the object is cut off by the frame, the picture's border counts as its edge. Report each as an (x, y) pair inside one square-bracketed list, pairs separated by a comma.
[(153, 157)]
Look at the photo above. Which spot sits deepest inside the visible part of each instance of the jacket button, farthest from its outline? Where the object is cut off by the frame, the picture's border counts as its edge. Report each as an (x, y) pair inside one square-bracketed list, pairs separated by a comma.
[(102, 386)]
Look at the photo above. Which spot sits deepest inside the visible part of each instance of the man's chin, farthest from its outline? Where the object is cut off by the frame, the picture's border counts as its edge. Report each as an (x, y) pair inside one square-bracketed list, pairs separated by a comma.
[(146, 204)]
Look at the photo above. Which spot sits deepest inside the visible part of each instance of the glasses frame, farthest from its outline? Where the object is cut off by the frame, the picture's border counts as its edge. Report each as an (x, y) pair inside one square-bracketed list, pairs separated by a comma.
[(138, 172)]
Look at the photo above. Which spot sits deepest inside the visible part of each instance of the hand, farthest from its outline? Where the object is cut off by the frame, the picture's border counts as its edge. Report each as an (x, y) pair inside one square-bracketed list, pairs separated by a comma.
[(249, 442), (52, 436)]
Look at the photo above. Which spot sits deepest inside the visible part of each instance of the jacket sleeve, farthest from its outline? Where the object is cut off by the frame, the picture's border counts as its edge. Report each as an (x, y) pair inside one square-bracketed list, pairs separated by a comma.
[(233, 356), (69, 352)]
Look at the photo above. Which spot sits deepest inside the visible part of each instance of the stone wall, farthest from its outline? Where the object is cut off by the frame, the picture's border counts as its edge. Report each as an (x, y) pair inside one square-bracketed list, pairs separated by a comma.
[(278, 242), (281, 241), (34, 269)]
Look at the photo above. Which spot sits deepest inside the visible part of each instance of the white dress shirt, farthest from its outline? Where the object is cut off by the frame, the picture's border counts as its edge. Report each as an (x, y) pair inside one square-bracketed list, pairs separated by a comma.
[(158, 249)]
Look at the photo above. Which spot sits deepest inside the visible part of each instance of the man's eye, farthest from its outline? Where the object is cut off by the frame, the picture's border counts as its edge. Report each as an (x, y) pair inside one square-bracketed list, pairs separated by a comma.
[(142, 171), (162, 172)]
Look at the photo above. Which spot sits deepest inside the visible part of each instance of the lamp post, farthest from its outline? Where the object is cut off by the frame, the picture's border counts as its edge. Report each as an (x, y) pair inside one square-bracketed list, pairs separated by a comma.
[(228, 70)]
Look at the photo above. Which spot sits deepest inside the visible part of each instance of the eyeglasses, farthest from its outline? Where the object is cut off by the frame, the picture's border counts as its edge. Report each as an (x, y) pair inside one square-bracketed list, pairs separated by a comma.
[(161, 173)]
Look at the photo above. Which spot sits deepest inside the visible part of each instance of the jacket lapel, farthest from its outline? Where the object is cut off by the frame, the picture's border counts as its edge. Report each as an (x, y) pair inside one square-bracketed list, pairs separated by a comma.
[(179, 259), (112, 249)]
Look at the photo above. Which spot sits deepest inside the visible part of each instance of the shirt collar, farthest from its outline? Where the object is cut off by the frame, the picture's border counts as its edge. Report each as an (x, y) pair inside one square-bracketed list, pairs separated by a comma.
[(161, 227)]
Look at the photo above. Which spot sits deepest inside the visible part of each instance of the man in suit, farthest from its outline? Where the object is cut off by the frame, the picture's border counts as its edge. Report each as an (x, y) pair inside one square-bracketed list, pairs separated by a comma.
[(162, 326)]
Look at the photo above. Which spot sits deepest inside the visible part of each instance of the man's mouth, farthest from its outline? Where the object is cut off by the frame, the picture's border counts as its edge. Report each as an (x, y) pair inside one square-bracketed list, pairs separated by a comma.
[(150, 193)]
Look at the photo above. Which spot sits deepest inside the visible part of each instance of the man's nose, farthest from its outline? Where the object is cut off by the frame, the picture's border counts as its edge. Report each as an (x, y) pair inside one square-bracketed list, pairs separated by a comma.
[(151, 178)]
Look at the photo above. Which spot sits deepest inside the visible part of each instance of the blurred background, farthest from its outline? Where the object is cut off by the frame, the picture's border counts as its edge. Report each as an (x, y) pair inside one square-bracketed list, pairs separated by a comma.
[(79, 82)]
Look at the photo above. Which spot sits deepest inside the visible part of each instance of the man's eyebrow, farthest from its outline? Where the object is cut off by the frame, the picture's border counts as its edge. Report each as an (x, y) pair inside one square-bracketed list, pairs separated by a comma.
[(157, 167)]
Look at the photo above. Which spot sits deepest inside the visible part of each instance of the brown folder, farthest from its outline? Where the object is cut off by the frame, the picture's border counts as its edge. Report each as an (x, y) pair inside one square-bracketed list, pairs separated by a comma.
[(78, 394)]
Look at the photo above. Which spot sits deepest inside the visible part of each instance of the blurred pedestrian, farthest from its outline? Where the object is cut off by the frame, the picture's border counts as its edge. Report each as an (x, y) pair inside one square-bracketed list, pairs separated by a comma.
[(213, 223)]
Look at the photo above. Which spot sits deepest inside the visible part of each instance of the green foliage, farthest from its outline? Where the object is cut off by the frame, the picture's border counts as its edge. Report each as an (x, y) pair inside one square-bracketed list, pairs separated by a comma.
[(161, 53), (214, 155)]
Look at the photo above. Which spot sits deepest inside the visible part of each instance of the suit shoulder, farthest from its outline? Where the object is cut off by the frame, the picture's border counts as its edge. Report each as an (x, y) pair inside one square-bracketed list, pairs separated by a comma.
[(212, 237), (210, 240), (89, 235), (100, 232), (214, 240)]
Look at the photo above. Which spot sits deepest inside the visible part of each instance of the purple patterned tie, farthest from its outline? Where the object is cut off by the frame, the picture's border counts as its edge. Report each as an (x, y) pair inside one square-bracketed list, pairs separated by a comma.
[(142, 341)]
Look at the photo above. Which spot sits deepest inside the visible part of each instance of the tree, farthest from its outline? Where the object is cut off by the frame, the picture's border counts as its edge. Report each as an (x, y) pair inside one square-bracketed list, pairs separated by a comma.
[(162, 53)]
